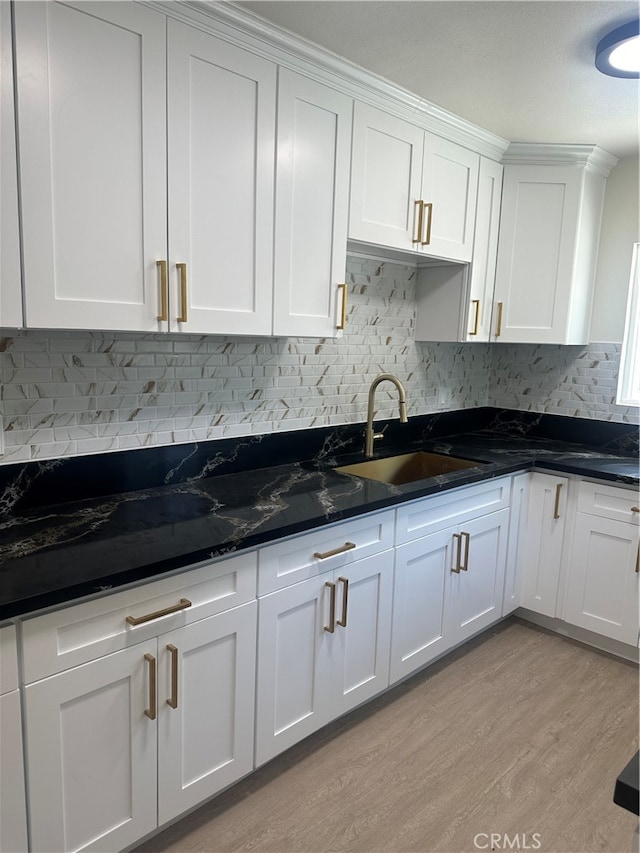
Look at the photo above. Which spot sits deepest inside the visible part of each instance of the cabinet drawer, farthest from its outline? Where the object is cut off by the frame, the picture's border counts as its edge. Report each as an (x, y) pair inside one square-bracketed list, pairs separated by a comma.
[(8, 659), (609, 502), (428, 515), (293, 560), (65, 638)]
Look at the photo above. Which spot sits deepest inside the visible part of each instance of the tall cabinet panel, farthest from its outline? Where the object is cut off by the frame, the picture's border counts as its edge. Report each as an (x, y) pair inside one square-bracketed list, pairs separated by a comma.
[(92, 125), (221, 137), (10, 285), (312, 203)]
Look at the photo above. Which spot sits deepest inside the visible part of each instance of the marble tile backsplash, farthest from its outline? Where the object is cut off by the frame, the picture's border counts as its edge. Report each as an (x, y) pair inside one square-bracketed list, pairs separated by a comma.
[(70, 393)]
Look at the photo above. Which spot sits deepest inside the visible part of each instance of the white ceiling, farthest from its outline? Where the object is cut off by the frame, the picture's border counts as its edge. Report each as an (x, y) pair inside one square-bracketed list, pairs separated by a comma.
[(523, 69)]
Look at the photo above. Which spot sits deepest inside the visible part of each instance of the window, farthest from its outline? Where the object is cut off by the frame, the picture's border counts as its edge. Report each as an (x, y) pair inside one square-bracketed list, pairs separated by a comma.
[(629, 377)]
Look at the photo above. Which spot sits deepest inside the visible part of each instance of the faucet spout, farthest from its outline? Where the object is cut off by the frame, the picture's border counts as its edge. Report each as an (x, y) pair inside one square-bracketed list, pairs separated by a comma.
[(370, 435)]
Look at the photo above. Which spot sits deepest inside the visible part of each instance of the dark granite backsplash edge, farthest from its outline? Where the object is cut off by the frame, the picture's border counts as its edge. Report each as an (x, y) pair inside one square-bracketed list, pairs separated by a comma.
[(29, 485)]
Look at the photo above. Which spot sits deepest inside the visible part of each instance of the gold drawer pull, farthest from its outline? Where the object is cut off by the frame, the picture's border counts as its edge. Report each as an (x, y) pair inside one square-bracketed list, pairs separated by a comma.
[(476, 302), (345, 603), (556, 508), (151, 711), (331, 627), (138, 620), (427, 239), (499, 328), (164, 291), (420, 209), (348, 546), (183, 293), (635, 509), (172, 701), (343, 315), (467, 539), (458, 538)]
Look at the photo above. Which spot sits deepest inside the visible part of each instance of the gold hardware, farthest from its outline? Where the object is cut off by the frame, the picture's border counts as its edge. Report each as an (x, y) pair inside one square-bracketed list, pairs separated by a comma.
[(345, 603), (172, 702), (499, 329), (467, 539), (332, 608), (458, 538), (556, 509), (164, 291), (151, 710), (476, 302), (348, 546), (635, 509), (428, 205), (183, 293), (343, 316), (138, 620), (420, 209)]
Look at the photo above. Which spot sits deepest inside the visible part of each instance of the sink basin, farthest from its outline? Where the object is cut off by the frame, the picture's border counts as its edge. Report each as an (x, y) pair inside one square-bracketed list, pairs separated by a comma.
[(406, 468)]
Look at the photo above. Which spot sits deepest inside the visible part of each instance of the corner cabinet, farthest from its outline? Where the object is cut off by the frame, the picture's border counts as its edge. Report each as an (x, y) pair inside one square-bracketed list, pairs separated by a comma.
[(119, 743), (148, 178), (10, 281), (549, 232), (411, 189), (13, 811)]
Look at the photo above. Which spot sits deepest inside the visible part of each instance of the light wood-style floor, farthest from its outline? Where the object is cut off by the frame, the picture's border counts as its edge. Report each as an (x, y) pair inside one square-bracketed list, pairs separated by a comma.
[(518, 732)]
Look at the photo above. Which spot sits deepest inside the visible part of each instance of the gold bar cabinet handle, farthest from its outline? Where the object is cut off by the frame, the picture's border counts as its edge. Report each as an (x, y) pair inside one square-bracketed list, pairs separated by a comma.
[(467, 539), (556, 508), (348, 546), (139, 620), (420, 205), (164, 291), (151, 711), (427, 239), (476, 302), (331, 627), (458, 539), (499, 325), (342, 325), (182, 268), (635, 509), (345, 603), (172, 701)]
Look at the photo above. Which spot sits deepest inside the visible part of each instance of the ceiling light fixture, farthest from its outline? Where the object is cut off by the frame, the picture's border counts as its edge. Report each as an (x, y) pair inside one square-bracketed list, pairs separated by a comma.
[(618, 53)]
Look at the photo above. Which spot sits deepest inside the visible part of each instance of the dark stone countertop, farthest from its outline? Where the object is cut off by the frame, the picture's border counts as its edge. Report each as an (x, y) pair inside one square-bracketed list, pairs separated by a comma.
[(51, 554)]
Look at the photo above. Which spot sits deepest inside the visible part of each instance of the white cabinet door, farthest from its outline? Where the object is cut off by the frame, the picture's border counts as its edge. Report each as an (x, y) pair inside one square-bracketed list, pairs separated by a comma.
[(386, 172), (549, 232), (10, 284), (221, 136), (92, 126), (91, 753), (294, 665), (418, 631), (518, 521), (205, 742), (361, 641), (312, 203), (474, 594), (449, 191), (602, 587), (485, 251), (541, 550), (13, 813)]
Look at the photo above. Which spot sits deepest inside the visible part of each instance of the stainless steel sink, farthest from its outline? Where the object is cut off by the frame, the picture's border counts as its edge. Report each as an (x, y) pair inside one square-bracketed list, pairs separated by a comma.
[(406, 468)]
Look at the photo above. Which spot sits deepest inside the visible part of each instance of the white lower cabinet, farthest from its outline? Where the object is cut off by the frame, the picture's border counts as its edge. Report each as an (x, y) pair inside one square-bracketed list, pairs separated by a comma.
[(602, 584), (542, 544), (517, 535), (13, 812), (323, 648)]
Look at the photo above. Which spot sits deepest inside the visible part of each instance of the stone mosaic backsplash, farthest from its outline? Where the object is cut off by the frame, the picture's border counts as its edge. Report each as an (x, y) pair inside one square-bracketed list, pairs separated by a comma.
[(69, 393)]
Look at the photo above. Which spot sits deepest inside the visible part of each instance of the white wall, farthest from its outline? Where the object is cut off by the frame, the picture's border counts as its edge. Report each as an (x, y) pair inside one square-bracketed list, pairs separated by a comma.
[(620, 229)]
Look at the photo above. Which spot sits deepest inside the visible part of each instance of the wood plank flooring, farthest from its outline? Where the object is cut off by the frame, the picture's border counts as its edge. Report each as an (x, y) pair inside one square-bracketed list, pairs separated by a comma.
[(518, 732)]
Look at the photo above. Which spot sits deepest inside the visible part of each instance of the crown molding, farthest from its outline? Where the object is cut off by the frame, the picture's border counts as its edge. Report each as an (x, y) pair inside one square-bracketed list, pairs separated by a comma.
[(247, 30), (590, 157)]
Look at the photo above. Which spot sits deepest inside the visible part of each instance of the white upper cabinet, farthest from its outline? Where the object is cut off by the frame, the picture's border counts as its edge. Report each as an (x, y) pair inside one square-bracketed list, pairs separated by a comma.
[(10, 285), (92, 126), (550, 226), (221, 136), (411, 189), (312, 203)]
